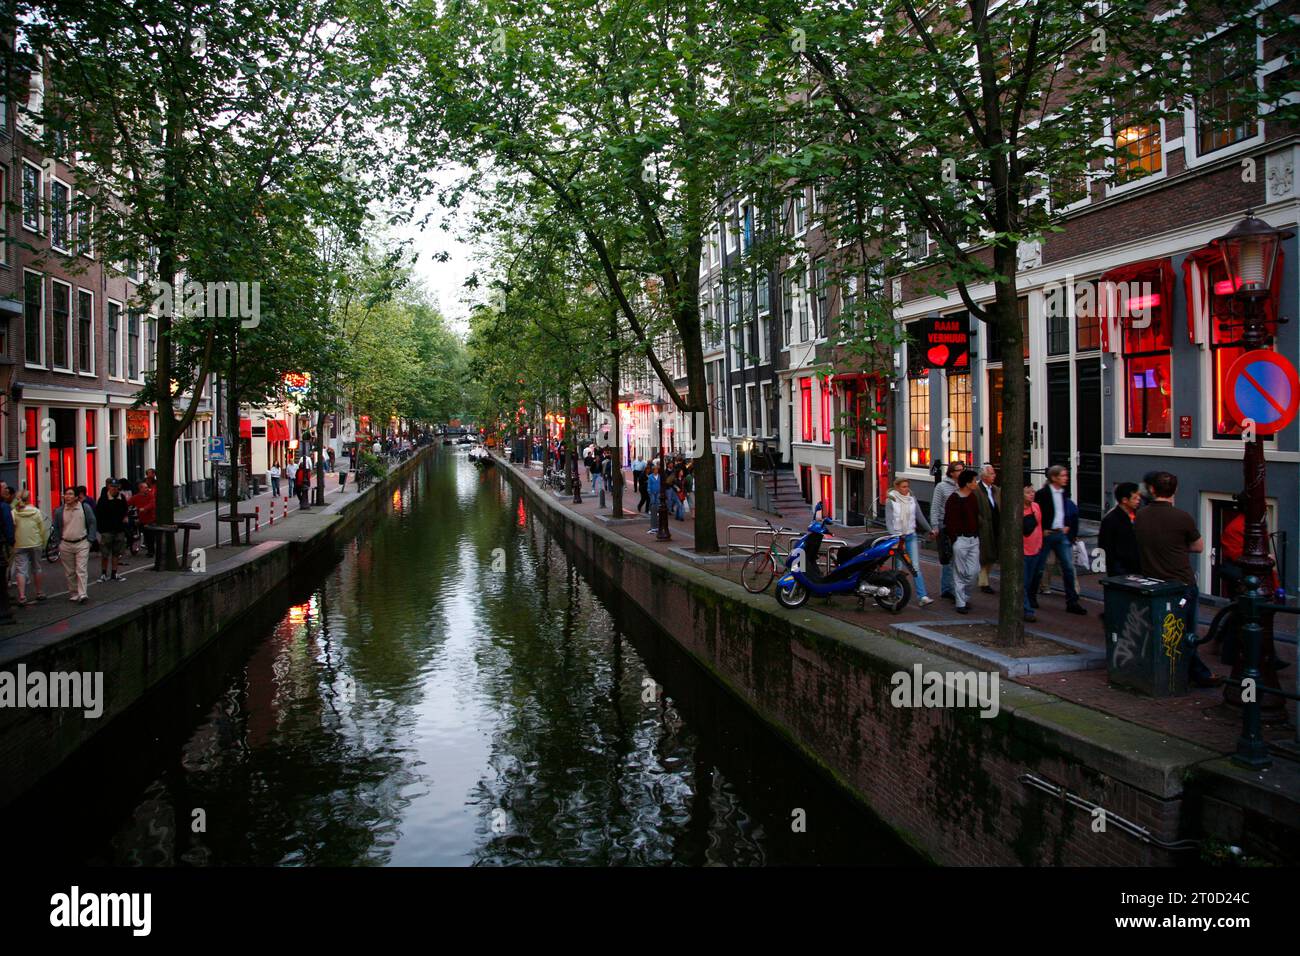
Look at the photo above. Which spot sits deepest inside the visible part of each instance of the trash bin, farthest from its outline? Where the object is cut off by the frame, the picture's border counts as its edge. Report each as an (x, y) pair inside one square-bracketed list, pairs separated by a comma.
[(1146, 634)]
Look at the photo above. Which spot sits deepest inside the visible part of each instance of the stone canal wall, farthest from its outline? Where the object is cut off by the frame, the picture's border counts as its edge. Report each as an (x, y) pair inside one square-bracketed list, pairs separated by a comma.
[(952, 783), (140, 640)]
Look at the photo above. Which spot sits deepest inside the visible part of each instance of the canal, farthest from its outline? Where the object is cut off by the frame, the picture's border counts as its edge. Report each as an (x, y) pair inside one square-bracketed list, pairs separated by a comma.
[(453, 691)]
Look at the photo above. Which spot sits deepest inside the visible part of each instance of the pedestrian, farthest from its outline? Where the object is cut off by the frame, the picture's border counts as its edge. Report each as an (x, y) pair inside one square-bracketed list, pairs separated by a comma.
[(643, 502), (31, 531), (651, 494), (302, 483), (6, 554), (1116, 537), (989, 499), (675, 494), (74, 532), (961, 517), (903, 517), (942, 491), (1167, 537), (688, 486), (1060, 531), (1032, 530), (329, 453), (593, 472), (110, 521), (377, 449), (274, 473), (145, 502)]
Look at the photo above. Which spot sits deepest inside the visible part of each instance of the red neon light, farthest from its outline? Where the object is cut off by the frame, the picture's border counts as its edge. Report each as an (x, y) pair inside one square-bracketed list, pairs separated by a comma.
[(1143, 302), (1227, 286)]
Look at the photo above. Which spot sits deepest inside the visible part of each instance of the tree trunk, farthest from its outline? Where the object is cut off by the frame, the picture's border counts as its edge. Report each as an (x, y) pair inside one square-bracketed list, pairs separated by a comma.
[(1011, 550), (320, 448), (616, 426)]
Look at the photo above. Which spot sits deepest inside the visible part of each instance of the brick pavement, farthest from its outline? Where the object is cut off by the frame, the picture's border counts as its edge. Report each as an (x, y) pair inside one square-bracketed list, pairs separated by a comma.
[(1200, 716)]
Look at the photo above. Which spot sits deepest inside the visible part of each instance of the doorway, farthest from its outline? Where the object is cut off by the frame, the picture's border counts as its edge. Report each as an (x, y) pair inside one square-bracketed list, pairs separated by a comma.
[(1089, 492), (995, 427)]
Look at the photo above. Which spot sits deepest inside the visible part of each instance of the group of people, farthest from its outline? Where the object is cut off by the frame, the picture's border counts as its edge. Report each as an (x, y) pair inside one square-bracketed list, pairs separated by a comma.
[(1144, 534), (672, 480), (77, 524), (299, 473)]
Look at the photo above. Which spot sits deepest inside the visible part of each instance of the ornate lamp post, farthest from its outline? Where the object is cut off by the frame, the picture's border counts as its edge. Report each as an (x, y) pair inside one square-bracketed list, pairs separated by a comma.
[(1249, 252), (662, 533)]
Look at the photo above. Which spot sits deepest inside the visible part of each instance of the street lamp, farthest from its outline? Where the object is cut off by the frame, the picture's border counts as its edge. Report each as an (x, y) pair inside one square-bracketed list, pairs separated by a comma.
[(662, 533), (1249, 252)]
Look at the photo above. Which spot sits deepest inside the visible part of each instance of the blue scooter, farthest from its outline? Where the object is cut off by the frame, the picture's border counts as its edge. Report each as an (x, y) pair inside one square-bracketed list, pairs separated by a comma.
[(857, 570)]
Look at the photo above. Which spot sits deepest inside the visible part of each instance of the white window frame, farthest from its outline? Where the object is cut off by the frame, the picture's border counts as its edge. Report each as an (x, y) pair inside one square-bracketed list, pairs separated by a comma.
[(1118, 189), (44, 308), (729, 218), (54, 359), (121, 333), (798, 213), (66, 250), (40, 198), (1192, 156), (94, 334)]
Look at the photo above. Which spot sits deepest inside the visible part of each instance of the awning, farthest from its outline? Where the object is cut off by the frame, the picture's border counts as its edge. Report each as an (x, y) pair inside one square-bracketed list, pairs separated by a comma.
[(277, 430), (1112, 283)]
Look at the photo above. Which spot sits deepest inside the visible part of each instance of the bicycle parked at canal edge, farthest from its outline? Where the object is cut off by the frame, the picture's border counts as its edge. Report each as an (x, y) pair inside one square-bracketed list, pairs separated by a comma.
[(760, 567)]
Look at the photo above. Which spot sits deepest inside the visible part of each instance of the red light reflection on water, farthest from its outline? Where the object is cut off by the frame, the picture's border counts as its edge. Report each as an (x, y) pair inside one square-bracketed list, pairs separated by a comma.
[(521, 516)]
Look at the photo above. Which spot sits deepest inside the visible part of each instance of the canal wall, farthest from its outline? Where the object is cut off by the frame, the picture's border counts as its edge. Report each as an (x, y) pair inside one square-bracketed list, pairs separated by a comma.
[(961, 788), (140, 640)]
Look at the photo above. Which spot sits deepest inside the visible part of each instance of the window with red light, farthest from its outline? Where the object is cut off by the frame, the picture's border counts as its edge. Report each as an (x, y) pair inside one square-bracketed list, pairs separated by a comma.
[(31, 429), (806, 408), (826, 411), (1145, 330), (1225, 347), (92, 474), (805, 482), (827, 496)]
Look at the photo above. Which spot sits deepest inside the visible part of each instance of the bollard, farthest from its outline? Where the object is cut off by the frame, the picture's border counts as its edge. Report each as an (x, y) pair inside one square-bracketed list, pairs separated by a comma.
[(257, 517), (286, 506), (271, 522)]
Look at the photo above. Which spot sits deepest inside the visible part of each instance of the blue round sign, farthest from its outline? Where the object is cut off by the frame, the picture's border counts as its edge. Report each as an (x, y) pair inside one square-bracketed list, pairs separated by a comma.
[(1262, 387)]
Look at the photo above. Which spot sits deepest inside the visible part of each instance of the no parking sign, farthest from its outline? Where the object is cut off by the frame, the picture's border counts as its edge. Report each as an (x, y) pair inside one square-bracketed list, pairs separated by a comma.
[(1262, 386)]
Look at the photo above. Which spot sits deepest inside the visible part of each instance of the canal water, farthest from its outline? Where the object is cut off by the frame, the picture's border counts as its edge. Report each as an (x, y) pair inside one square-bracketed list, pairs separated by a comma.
[(453, 691)]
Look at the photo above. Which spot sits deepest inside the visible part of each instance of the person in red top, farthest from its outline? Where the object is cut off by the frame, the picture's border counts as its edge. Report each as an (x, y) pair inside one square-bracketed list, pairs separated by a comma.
[(1232, 540), (1033, 539), (145, 502)]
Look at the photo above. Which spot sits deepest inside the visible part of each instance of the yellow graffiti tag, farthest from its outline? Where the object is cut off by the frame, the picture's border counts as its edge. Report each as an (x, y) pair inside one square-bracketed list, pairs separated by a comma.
[(1171, 636)]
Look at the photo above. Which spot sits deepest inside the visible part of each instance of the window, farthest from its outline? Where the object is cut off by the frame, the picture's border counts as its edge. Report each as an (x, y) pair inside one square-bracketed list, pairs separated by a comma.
[(4, 215), (1087, 317), (827, 495), (85, 244), (918, 243), (1225, 347), (822, 293), (1137, 149), (798, 218), (995, 343), (805, 482), (802, 306), (85, 331), (960, 448), (826, 411), (764, 320), (918, 408), (92, 431), (1067, 188), (731, 229), (151, 345), (738, 403), (1226, 110), (114, 320), (133, 344), (31, 197), (1146, 360), (60, 216), (34, 318), (787, 308), (747, 229), (61, 312), (849, 304), (806, 409), (32, 452), (1058, 327), (755, 411), (769, 406)]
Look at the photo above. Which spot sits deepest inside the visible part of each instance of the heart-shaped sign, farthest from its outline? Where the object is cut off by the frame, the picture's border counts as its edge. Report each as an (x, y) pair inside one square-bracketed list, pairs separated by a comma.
[(938, 356)]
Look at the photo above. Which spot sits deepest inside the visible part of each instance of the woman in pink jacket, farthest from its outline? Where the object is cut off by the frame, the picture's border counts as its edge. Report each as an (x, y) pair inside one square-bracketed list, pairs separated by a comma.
[(1033, 530)]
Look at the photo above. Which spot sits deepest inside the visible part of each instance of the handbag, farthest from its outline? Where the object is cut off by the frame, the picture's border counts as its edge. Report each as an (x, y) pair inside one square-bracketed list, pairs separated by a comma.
[(1081, 556), (1030, 523), (945, 548)]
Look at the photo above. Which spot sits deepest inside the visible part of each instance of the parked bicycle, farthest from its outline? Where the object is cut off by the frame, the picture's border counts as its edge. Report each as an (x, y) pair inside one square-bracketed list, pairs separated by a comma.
[(760, 567)]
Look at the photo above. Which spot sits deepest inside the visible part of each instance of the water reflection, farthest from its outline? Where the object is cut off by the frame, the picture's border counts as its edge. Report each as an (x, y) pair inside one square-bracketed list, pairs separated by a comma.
[(455, 692)]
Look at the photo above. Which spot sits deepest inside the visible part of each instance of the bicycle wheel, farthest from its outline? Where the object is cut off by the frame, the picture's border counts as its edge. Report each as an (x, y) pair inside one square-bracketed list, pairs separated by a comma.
[(757, 572)]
